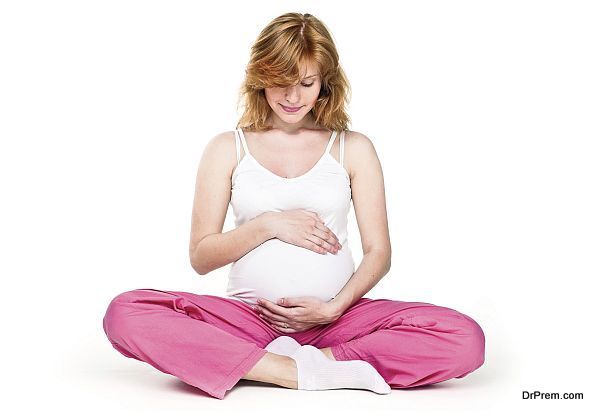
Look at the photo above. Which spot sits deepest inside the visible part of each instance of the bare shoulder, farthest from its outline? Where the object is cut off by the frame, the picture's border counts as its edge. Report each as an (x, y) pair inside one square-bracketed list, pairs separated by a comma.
[(359, 152), (221, 151)]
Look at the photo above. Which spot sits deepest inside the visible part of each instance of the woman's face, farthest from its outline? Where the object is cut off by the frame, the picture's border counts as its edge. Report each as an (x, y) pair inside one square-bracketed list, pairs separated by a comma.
[(300, 97)]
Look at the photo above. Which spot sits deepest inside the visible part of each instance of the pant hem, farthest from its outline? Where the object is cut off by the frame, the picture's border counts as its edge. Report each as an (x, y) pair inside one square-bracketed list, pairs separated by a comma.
[(238, 372)]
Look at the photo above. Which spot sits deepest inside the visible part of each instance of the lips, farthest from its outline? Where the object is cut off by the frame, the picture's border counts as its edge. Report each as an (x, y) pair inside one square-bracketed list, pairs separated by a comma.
[(290, 109)]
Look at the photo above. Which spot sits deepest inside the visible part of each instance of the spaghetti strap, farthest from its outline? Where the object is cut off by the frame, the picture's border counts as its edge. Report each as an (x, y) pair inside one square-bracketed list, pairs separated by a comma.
[(241, 134), (331, 140), (342, 136), (237, 146)]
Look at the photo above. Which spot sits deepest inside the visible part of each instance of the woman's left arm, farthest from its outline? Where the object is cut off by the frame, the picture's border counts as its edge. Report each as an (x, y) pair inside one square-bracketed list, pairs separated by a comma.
[(368, 195)]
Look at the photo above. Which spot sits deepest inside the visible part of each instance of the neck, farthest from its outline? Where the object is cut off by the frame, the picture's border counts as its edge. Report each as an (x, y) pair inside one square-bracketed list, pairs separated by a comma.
[(307, 122)]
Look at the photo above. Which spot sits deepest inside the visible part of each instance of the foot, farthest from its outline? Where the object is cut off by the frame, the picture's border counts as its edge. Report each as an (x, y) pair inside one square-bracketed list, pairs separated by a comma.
[(283, 345), (317, 372)]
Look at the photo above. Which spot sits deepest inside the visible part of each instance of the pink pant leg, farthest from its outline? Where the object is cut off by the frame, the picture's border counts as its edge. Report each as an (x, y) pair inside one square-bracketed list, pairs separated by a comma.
[(409, 343), (206, 341)]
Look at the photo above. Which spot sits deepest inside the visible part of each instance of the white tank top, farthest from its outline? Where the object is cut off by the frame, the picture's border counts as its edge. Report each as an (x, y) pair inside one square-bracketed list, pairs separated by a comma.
[(278, 269)]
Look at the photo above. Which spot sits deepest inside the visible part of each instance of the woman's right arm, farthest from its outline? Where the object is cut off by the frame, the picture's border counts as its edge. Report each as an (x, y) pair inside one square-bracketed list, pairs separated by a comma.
[(217, 250), (209, 248)]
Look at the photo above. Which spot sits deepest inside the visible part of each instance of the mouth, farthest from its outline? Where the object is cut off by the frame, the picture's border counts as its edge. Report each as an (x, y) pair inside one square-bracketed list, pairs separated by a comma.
[(290, 109)]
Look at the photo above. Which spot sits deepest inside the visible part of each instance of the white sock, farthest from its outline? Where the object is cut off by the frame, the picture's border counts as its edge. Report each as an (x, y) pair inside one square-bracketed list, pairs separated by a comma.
[(317, 372), (283, 345)]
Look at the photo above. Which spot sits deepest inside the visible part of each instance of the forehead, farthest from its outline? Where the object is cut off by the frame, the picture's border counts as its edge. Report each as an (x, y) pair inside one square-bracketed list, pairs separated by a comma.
[(308, 69)]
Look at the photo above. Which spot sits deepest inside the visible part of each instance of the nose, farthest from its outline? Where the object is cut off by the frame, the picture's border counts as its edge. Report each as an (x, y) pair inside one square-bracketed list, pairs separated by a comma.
[(292, 94)]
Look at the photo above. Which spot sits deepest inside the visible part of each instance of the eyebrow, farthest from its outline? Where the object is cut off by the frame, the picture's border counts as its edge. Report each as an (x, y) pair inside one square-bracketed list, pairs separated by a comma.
[(311, 76)]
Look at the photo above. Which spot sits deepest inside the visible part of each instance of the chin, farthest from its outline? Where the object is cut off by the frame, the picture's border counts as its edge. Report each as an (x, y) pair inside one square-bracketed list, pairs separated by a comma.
[(300, 112)]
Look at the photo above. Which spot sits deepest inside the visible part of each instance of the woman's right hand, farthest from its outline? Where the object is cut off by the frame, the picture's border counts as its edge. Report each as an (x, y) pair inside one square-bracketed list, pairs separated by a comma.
[(302, 228)]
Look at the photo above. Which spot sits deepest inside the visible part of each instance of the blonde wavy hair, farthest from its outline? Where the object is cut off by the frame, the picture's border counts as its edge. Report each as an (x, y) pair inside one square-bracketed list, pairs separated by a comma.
[(282, 48)]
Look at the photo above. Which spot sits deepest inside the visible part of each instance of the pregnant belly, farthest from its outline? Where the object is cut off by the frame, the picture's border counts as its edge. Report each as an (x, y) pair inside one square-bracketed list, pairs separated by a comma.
[(277, 269)]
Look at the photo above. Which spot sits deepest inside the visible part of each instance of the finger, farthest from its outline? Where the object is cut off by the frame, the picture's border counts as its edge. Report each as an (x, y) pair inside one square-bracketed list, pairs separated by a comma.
[(272, 316), (328, 235), (322, 244), (315, 244), (277, 324), (294, 301), (324, 235), (275, 309), (329, 239), (283, 329)]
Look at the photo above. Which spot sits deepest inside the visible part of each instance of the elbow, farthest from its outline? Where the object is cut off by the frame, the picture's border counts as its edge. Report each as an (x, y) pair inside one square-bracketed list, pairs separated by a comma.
[(389, 261), (201, 263), (198, 258), (385, 255), (196, 261), (198, 265), (201, 271), (388, 265)]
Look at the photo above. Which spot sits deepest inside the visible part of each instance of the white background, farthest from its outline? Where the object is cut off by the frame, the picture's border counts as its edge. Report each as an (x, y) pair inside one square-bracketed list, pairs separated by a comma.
[(485, 116)]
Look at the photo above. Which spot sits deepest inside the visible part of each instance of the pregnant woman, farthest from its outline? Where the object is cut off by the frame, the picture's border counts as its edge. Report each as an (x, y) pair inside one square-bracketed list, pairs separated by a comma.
[(294, 314)]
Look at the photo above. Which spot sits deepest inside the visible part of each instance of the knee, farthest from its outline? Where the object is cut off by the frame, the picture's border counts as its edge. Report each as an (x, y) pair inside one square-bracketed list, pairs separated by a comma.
[(471, 349), (116, 317)]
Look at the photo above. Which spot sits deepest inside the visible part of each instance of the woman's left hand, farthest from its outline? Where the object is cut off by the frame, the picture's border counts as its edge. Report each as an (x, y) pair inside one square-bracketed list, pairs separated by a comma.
[(298, 313)]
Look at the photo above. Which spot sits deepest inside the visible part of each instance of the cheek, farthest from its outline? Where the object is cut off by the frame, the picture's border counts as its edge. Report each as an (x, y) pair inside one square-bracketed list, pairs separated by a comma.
[(314, 95), (272, 94), (316, 90), (272, 99)]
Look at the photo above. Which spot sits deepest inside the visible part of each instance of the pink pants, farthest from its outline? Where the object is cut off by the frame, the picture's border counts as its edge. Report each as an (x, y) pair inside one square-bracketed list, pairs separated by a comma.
[(211, 342)]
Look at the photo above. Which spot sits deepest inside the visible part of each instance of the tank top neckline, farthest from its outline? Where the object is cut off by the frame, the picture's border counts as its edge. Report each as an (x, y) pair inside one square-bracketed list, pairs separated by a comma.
[(288, 179)]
